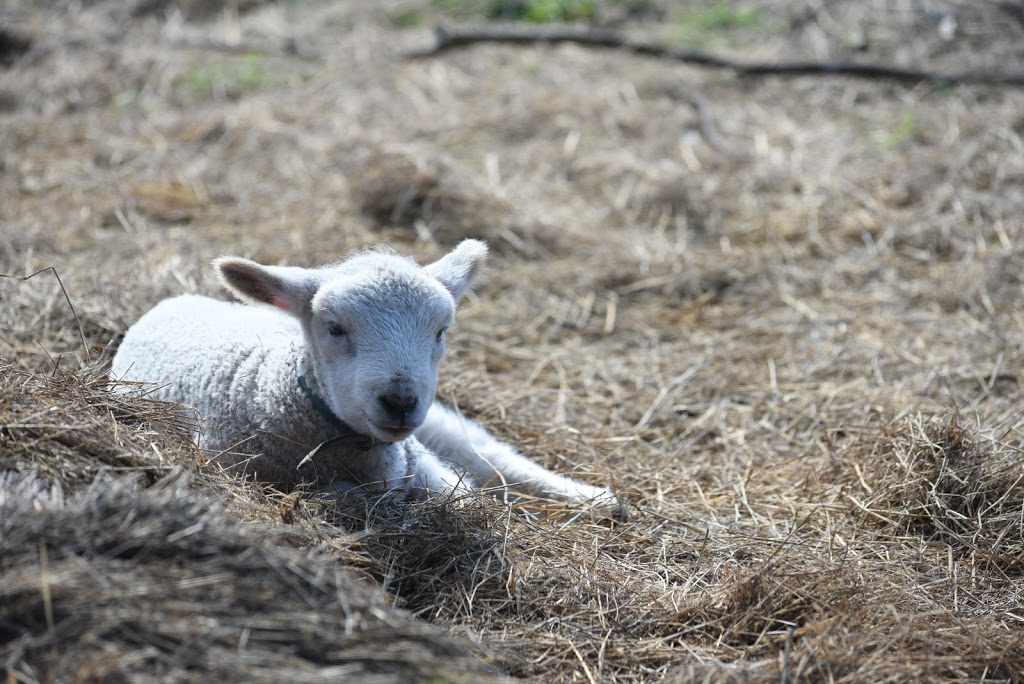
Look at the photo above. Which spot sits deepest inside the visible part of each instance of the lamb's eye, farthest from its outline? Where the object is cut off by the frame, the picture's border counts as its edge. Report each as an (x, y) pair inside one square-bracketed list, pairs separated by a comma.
[(335, 330), (440, 334)]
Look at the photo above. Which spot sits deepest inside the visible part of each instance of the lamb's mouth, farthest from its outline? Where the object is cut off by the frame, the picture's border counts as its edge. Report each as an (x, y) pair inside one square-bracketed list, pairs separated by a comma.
[(390, 433)]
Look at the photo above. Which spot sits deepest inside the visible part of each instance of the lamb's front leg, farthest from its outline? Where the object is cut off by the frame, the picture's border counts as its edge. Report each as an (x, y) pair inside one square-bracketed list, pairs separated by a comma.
[(493, 463), (429, 476), (405, 466)]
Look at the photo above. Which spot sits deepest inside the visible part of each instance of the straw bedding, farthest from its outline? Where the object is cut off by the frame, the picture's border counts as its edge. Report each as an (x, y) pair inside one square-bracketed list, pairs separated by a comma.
[(798, 365)]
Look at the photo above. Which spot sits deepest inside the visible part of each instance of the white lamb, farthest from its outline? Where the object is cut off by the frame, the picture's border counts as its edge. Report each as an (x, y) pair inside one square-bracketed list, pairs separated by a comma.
[(334, 382)]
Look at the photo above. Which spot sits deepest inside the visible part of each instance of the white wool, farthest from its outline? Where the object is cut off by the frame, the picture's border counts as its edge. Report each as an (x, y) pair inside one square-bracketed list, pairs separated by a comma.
[(360, 342)]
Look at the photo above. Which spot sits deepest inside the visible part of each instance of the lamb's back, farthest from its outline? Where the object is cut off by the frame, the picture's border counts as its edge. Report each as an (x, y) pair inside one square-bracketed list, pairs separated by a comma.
[(194, 347)]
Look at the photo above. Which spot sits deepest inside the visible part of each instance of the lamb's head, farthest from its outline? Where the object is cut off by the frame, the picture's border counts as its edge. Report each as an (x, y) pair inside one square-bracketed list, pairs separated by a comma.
[(375, 326)]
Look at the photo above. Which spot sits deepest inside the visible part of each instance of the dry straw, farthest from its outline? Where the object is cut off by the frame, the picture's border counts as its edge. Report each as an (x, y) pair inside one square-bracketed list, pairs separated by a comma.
[(940, 481), (799, 366), (160, 583)]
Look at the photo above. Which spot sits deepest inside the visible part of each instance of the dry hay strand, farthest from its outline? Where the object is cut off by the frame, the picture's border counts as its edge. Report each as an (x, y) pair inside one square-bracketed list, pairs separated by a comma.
[(122, 583), (940, 480), (69, 425), (439, 202)]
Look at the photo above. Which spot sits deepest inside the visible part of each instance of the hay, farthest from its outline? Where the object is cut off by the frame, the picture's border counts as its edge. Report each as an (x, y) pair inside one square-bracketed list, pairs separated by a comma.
[(761, 354), (124, 583), (437, 203), (938, 479), (68, 426)]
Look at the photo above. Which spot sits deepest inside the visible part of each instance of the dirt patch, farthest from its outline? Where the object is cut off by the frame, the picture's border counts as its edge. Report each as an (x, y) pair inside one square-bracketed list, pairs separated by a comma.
[(429, 198)]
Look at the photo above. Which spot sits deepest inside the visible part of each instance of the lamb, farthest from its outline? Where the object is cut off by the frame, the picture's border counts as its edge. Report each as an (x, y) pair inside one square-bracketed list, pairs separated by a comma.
[(328, 376)]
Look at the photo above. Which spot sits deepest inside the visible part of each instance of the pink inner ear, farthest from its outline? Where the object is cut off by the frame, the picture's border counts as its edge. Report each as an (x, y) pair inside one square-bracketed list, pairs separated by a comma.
[(280, 303)]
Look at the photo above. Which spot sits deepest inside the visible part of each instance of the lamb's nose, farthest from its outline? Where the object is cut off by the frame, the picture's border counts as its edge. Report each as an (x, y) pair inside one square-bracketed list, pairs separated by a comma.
[(398, 404)]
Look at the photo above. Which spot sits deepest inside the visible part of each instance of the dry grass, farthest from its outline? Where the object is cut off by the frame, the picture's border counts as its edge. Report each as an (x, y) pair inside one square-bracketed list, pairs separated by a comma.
[(67, 427), (800, 368), (939, 481), (158, 583), (409, 195)]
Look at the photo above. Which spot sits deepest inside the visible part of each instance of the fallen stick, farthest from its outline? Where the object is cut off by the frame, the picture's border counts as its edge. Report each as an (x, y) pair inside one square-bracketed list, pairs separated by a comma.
[(447, 40)]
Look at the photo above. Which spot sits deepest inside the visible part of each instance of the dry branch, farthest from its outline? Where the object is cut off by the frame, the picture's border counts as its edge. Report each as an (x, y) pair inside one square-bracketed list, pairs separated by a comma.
[(448, 39)]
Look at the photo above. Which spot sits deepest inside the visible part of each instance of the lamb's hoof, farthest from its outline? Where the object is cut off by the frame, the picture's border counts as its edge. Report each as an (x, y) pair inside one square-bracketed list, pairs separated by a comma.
[(602, 503), (620, 514)]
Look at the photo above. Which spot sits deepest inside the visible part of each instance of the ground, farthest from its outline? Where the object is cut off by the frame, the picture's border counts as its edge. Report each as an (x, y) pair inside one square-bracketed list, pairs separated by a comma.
[(790, 340)]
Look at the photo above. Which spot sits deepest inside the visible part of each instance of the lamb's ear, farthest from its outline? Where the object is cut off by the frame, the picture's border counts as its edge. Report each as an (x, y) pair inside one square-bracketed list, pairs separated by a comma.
[(287, 287), (459, 268)]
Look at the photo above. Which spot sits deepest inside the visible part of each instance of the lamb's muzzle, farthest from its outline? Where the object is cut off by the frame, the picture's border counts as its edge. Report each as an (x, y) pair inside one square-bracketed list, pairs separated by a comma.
[(399, 406)]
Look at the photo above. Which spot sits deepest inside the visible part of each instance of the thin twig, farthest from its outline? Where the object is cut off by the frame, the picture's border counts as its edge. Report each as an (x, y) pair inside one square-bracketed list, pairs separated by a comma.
[(447, 39), (81, 331)]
